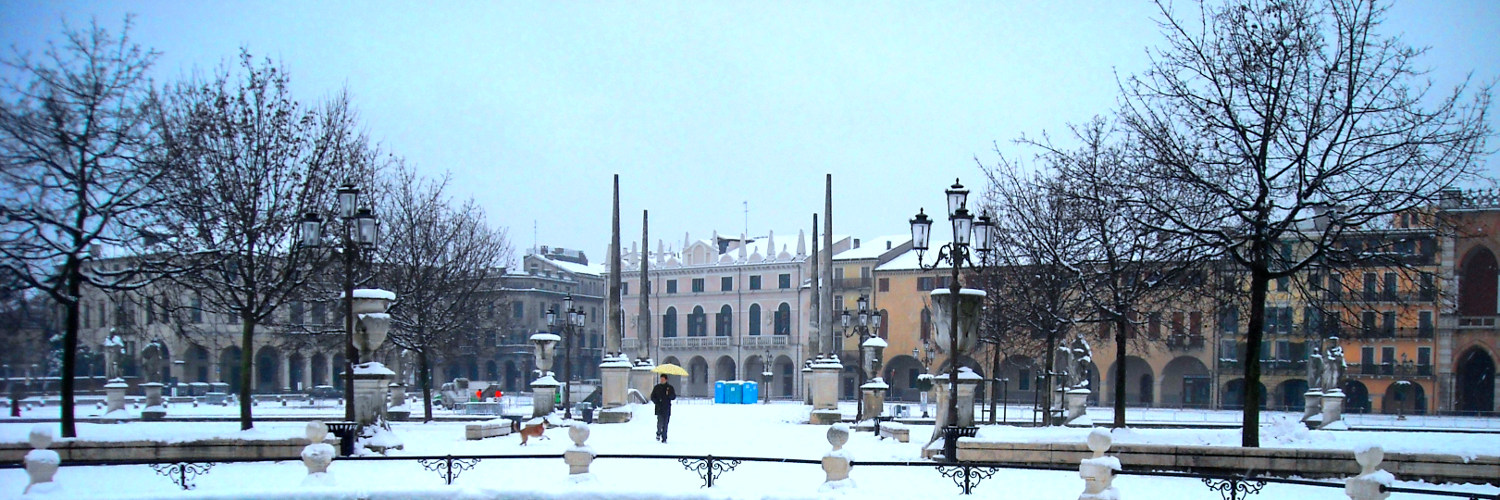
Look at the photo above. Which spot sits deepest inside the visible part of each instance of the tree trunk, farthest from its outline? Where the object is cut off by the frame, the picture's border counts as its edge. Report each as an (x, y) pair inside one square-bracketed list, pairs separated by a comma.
[(1121, 322), (424, 372), (1259, 282), (247, 328), (70, 346), (1050, 378)]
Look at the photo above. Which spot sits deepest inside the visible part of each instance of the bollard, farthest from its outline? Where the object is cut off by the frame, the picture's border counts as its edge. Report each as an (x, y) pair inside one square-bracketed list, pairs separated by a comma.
[(837, 462), (579, 456), (317, 455), (1098, 472), (41, 463), (1366, 486)]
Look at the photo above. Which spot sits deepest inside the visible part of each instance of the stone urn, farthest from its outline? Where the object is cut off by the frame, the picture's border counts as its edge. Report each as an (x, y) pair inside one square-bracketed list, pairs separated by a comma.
[(545, 344), (970, 301), (373, 325)]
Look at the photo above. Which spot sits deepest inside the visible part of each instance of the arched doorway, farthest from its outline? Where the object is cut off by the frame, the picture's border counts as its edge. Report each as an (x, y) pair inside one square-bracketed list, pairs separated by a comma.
[(319, 369), (1186, 383), (1477, 282), (1022, 384), (294, 369), (338, 370), (491, 371), (1234, 394), (1357, 397), (229, 368), (785, 378), (266, 366), (1139, 382), (901, 374), (697, 385), (197, 364), (512, 376), (724, 368), (1289, 395), (1405, 397), (1476, 381)]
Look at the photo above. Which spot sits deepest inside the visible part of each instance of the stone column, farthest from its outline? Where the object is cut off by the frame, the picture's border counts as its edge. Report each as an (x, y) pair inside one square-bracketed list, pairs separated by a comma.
[(1076, 401), (543, 394), (1313, 408), (114, 396), (284, 374), (874, 398), (825, 390), (614, 375), (807, 374), (371, 381)]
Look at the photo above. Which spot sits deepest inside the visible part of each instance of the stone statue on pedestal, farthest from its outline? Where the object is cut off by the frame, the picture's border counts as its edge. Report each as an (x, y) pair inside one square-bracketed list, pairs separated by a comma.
[(1333, 367), (1314, 368)]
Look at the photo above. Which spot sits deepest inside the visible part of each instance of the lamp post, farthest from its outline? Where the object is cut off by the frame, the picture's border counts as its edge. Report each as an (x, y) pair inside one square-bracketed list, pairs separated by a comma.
[(765, 376), (957, 255), (925, 357), (572, 320), (357, 235), (861, 329)]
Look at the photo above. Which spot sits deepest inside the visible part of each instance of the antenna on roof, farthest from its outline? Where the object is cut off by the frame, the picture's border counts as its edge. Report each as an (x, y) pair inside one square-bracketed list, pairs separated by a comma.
[(747, 219), (533, 235)]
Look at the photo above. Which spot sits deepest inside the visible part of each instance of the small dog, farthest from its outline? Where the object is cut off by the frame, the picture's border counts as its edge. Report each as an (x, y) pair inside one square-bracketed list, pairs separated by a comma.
[(534, 428)]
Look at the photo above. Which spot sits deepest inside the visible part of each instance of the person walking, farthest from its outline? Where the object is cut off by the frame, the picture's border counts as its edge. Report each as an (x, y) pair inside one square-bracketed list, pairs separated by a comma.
[(662, 396)]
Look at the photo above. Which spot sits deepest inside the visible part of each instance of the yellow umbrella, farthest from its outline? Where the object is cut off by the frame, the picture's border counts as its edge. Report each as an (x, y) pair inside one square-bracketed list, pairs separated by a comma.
[(670, 369)]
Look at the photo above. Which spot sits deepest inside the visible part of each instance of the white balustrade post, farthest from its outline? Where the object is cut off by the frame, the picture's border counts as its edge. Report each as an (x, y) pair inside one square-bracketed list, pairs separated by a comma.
[(1098, 472), (579, 456), (41, 463), (1366, 486), (317, 455), (837, 462)]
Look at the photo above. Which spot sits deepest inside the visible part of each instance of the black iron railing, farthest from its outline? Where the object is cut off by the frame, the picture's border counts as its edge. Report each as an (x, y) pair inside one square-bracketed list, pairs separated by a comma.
[(965, 475)]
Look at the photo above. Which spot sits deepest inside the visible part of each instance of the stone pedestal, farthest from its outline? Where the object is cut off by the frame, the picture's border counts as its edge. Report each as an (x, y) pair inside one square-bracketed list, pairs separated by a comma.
[(154, 410), (1076, 401), (825, 392), (543, 396), (400, 410), (579, 456), (1366, 486), (614, 377), (874, 398), (642, 379), (371, 382), (967, 381), (1098, 471), (1312, 402), (1333, 411), (317, 455), (114, 398), (807, 393)]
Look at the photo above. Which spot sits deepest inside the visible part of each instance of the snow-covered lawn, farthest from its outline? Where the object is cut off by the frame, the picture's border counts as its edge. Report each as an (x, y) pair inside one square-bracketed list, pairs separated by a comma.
[(698, 428)]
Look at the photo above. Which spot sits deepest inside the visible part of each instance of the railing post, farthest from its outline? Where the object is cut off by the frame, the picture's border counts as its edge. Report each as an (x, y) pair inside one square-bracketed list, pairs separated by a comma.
[(710, 463), (448, 478), (182, 474)]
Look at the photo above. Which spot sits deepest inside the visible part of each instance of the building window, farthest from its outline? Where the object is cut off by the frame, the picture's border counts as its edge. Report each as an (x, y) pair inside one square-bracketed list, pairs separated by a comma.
[(1335, 286), (1388, 294), (1153, 325), (671, 287), (296, 318), (1424, 324), (926, 332), (1367, 323), (1367, 356), (783, 319), (1387, 355), (724, 321), (1023, 381), (1424, 356), (754, 314), (697, 285), (885, 284), (726, 284), (783, 281), (1427, 291), (669, 323), (1370, 290), (624, 289), (755, 282), (698, 322), (1228, 350)]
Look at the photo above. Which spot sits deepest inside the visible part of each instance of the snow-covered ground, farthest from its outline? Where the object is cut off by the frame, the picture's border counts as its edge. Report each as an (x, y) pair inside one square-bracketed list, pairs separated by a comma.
[(698, 428)]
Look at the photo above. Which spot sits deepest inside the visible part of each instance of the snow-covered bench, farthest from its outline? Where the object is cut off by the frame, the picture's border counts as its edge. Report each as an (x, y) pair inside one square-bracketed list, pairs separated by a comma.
[(487, 429), (895, 430)]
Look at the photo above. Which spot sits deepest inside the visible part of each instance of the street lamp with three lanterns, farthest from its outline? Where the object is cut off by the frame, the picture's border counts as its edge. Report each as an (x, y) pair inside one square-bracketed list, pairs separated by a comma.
[(572, 321), (358, 235), (957, 254), (867, 323)]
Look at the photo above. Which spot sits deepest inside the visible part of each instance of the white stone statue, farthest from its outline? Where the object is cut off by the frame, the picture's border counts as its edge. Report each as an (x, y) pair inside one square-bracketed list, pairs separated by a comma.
[(1314, 368), (1333, 367)]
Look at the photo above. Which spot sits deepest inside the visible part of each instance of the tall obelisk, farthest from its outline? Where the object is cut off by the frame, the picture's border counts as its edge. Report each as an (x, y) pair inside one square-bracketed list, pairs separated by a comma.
[(613, 334), (825, 311), (815, 340), (614, 366), (643, 320)]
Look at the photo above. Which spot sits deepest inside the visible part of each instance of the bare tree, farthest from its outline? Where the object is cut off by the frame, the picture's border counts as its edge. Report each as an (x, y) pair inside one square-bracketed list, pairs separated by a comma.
[(1124, 265), (249, 160), (444, 263), (1258, 114), (1036, 244), (80, 175)]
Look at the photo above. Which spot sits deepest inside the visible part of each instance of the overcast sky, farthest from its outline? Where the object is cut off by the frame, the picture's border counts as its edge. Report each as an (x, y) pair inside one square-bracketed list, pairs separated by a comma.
[(701, 106)]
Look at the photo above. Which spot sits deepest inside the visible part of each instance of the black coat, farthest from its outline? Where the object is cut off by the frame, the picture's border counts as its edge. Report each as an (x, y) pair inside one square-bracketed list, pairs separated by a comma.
[(662, 395)]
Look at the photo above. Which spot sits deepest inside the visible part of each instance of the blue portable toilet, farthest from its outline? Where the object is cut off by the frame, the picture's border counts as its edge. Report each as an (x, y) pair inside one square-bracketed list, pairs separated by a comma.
[(732, 392), (719, 392), (750, 393)]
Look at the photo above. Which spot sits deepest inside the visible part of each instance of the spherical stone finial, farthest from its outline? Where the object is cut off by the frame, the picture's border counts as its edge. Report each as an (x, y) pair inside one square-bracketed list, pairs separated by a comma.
[(838, 434), (41, 436), (316, 431), (578, 432), (1099, 441), (1369, 458)]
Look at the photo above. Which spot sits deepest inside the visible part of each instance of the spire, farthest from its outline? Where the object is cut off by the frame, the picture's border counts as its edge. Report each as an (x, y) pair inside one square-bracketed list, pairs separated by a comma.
[(771, 245), (802, 242), (643, 314), (743, 243), (614, 315)]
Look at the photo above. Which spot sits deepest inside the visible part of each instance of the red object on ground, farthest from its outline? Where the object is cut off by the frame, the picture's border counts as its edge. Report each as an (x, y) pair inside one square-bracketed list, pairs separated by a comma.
[(479, 394)]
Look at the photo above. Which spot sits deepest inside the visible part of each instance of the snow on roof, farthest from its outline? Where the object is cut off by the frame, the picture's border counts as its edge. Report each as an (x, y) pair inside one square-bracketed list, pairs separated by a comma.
[(374, 293), (589, 269), (908, 261), (873, 247)]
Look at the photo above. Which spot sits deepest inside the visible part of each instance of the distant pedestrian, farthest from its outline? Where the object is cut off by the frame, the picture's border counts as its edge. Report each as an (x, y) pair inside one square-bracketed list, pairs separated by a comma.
[(662, 395)]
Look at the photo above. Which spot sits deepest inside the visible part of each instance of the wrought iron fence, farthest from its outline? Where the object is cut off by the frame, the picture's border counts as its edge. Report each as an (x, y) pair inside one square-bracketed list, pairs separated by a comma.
[(965, 475)]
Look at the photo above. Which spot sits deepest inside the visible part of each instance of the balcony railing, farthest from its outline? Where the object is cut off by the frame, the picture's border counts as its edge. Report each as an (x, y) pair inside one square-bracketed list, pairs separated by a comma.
[(764, 341), (1183, 341), (694, 342), (1397, 333), (852, 283), (1395, 370)]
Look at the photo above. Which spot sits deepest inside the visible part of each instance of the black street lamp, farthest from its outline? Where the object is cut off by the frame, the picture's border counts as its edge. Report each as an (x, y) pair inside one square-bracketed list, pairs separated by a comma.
[(862, 330), (358, 234), (957, 255), (571, 322)]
